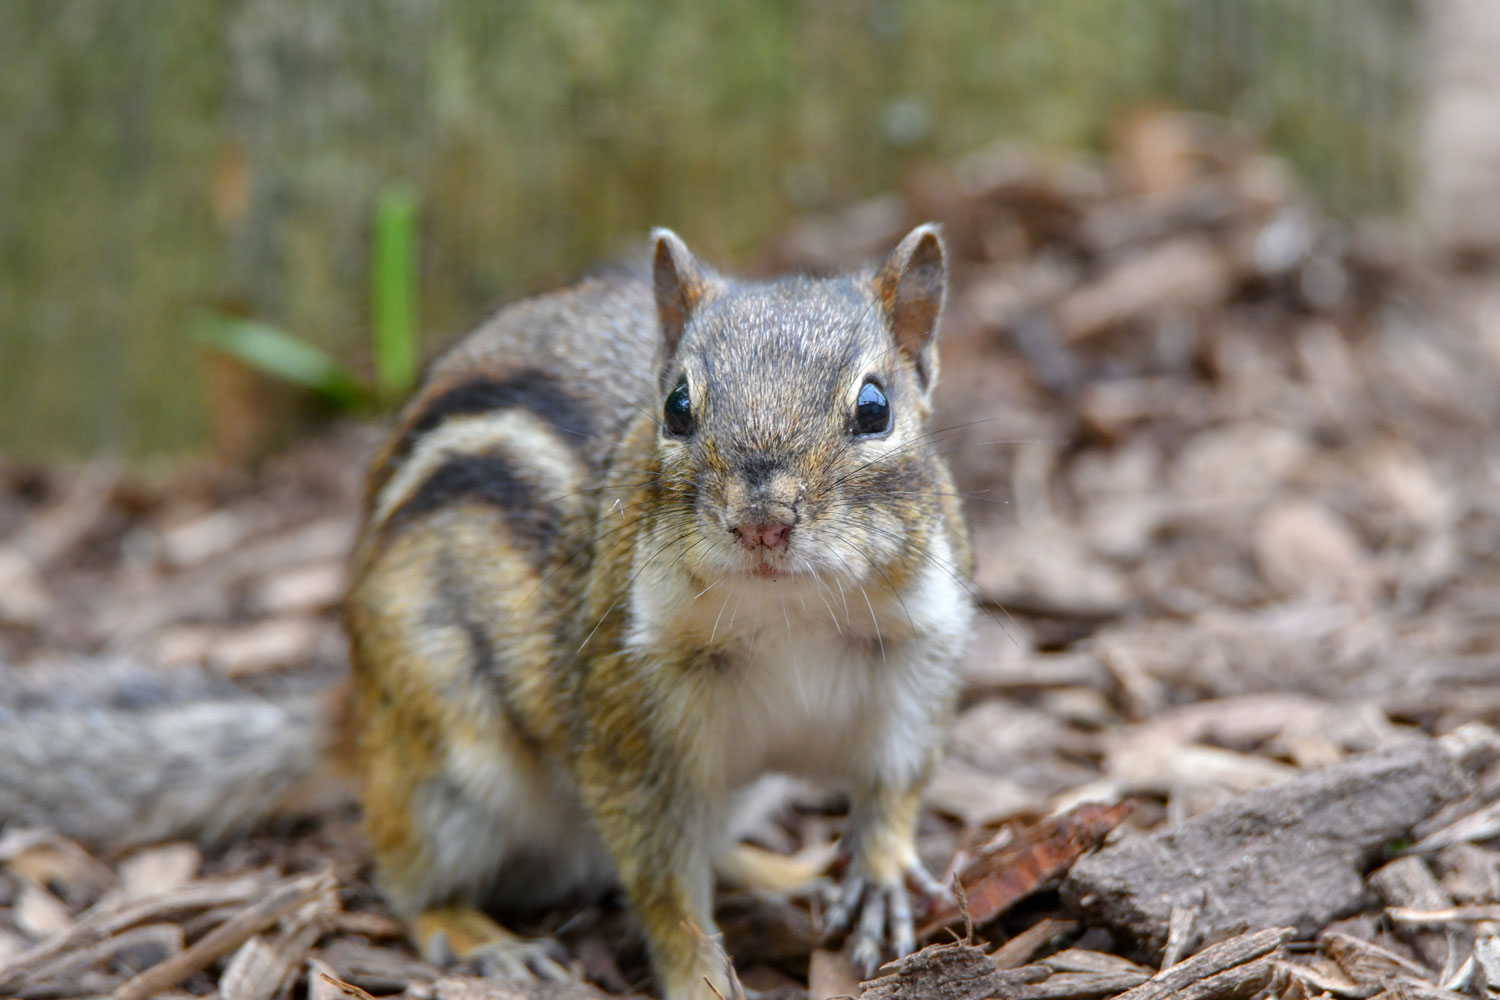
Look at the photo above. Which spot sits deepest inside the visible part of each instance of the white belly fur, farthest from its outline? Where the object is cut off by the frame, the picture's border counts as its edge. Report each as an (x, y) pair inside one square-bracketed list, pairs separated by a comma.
[(812, 682)]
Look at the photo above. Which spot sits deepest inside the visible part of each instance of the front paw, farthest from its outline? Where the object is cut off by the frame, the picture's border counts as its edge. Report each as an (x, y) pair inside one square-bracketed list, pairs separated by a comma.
[(879, 913)]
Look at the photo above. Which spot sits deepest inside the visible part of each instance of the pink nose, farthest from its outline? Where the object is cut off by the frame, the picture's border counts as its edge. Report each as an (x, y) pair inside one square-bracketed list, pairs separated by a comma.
[(763, 536)]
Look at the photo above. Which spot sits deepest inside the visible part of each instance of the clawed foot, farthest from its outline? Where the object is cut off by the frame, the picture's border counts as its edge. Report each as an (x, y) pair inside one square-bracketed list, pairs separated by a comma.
[(878, 914), (522, 958), (465, 934)]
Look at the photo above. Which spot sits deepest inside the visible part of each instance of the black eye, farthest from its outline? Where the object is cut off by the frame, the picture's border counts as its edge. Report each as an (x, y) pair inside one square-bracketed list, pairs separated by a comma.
[(872, 411), (678, 413)]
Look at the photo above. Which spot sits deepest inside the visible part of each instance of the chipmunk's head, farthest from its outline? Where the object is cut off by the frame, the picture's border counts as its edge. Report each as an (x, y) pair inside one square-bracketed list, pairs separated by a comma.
[(792, 415)]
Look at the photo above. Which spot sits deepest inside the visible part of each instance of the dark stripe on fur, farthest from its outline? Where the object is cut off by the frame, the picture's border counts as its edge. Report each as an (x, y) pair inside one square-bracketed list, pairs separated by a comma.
[(531, 390), (456, 607), (491, 480), (455, 604)]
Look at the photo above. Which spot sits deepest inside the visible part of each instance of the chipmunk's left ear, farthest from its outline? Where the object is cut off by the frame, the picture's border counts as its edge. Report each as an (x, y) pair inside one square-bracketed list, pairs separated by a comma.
[(911, 285)]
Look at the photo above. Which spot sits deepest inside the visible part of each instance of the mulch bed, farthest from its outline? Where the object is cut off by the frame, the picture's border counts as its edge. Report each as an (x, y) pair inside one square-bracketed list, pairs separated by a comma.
[(1234, 484)]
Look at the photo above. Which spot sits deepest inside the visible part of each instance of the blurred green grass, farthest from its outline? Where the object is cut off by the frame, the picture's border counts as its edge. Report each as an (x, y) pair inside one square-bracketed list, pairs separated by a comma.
[(161, 159)]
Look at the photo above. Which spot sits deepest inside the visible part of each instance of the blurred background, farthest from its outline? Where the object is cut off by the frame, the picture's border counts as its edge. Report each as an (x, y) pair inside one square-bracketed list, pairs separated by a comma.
[(164, 164)]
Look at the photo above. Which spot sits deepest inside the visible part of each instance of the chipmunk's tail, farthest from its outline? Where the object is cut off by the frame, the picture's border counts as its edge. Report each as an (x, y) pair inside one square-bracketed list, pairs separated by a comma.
[(114, 754)]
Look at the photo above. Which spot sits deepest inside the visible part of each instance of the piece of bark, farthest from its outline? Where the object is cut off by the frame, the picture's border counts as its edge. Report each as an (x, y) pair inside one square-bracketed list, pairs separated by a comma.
[(108, 918), (1487, 956), (996, 880), (280, 902), (52, 860), (39, 912), (949, 972), (977, 797), (25, 600), (1077, 986), (1319, 975), (1303, 549), (1220, 970), (266, 965), (134, 949), (1406, 883), (1369, 964), (1451, 915), (1288, 855), (1083, 960), (1469, 873), (1181, 932), (1250, 979), (158, 869), (370, 924), (1481, 824)]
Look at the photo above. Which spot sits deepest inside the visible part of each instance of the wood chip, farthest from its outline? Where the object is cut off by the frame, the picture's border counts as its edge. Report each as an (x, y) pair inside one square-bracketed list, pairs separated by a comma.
[(1305, 549), (134, 949), (159, 869), (1448, 915), (279, 902), (977, 797), (370, 924), (1407, 884), (1083, 960), (1487, 955), (1181, 931), (39, 913), (25, 600), (1482, 824), (1322, 975), (266, 645), (1369, 964), (949, 972), (266, 965), (1219, 970), (53, 860), (1290, 854), (108, 918), (301, 590)]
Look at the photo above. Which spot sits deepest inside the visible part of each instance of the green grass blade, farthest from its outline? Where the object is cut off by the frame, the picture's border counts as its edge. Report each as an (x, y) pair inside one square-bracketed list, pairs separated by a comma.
[(278, 353), (393, 293)]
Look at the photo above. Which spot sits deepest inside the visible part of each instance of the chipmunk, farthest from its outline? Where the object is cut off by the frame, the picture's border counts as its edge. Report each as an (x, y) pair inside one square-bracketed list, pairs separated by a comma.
[(630, 547), (633, 546)]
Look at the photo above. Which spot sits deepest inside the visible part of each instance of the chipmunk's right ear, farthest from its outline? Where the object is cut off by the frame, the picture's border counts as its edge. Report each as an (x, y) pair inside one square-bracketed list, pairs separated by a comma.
[(680, 284)]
